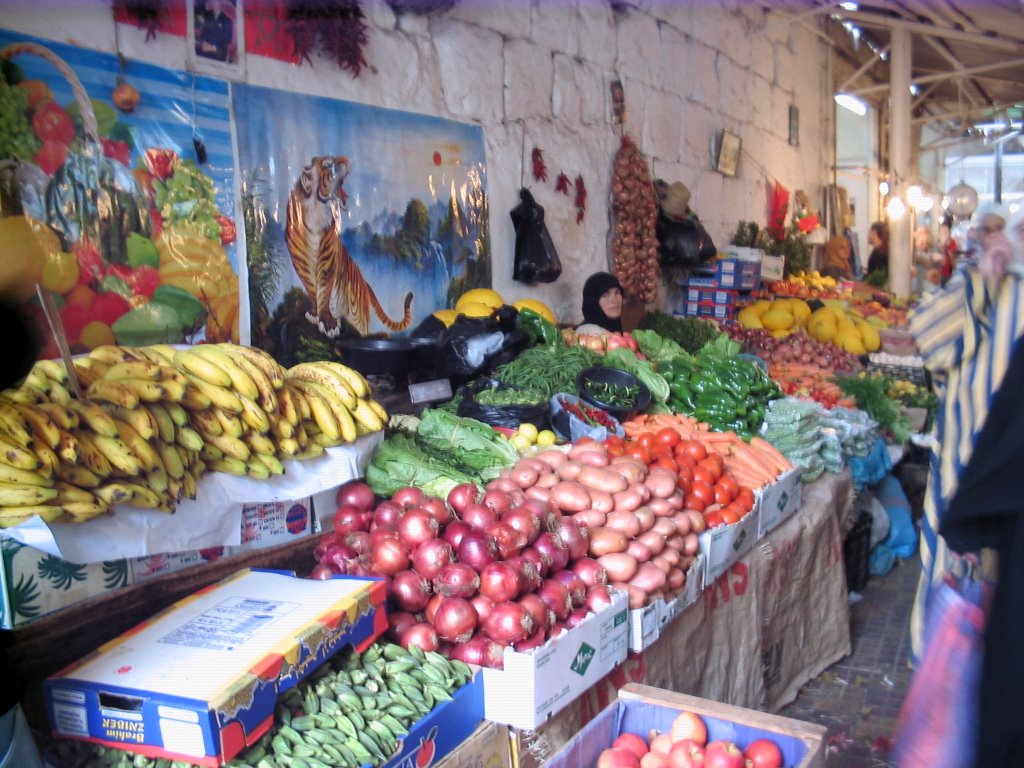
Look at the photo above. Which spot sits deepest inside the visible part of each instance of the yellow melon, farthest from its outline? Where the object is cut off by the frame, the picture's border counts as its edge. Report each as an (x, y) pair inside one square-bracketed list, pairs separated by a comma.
[(539, 307), (823, 330), (799, 309), (781, 305), (777, 320), (781, 333), (850, 340), (446, 316), (484, 296), (748, 318), (760, 306), (870, 336), (474, 309)]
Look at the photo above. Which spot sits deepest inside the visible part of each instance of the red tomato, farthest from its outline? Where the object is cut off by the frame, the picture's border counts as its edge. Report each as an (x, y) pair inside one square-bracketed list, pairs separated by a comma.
[(712, 466), (684, 472), (702, 474), (51, 122), (722, 495), (703, 491), (713, 519), (639, 453), (691, 501), (729, 515), (746, 497), (667, 462), (726, 482), (696, 449), (614, 446), (646, 440), (668, 437)]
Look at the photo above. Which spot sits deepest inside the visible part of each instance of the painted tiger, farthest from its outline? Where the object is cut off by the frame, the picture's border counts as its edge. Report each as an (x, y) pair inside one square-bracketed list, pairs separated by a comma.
[(333, 281)]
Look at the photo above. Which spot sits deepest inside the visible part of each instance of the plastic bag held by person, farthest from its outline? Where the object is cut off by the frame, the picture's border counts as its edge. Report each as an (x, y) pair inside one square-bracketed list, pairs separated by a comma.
[(536, 260)]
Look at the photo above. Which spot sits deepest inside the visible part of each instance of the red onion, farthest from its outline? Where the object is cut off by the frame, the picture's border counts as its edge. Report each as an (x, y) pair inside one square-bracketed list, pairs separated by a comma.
[(577, 588), (359, 541), (498, 501), (416, 526), (421, 635), (543, 617), (499, 582), (380, 533), (461, 496), (575, 536), (349, 518), (551, 544), (389, 557), (457, 580), (327, 541), (356, 493), (509, 623), (431, 609), (556, 597), (529, 577), (541, 560), (508, 539), (398, 622), (591, 571), (407, 497), (576, 617), (524, 520), (431, 556), (410, 591), (321, 572), (340, 556), (454, 531), (480, 650), (477, 549), (598, 597), (536, 640), (482, 606), (386, 513), (479, 515), (455, 620), (437, 508)]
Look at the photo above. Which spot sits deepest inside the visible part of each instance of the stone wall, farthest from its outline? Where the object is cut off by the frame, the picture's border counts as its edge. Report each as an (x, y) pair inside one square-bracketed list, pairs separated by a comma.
[(536, 74)]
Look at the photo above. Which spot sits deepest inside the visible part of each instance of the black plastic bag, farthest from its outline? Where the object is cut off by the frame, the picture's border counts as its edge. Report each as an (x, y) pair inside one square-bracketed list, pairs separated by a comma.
[(474, 345), (510, 416), (683, 243), (536, 260)]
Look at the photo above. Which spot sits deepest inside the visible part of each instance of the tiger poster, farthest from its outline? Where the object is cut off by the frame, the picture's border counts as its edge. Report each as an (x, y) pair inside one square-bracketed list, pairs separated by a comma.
[(359, 220)]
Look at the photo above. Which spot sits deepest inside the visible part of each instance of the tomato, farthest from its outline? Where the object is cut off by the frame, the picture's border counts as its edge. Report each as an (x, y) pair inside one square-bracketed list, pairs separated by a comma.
[(722, 494), (696, 449), (646, 440), (51, 122), (639, 453), (667, 462), (691, 501), (659, 451), (713, 468), (701, 474), (729, 515), (614, 445), (702, 490), (713, 519), (726, 482), (716, 457), (668, 437), (746, 496), (684, 472)]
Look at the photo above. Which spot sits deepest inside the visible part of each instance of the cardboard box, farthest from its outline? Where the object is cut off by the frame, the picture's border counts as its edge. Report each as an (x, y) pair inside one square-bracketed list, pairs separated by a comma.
[(151, 566), (34, 583), (743, 253), (640, 708), (670, 609), (199, 681), (324, 507), (724, 545), (720, 296), (444, 729), (779, 500), (772, 267), (727, 273), (645, 625), (487, 747), (707, 309), (536, 684), (277, 522)]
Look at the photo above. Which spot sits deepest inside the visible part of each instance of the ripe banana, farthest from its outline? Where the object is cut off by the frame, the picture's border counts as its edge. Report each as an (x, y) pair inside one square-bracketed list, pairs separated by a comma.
[(158, 481), (256, 468), (178, 413), (320, 410), (207, 422), (58, 393), (36, 380), (86, 374), (189, 439), (288, 446), (68, 448), (232, 447), (311, 451), (13, 424), (219, 396), (115, 392), (253, 415), (92, 458), (241, 382), (288, 408), (171, 459), (271, 461), (140, 419), (259, 443), (97, 419), (194, 398), (356, 381), (378, 409), (230, 425), (267, 394), (120, 492), (164, 424), (365, 415), (154, 391), (53, 370), (163, 351), (61, 415), (68, 493), (281, 427), (23, 395), (140, 448), (331, 384), (48, 460), (145, 369), (78, 476), (19, 495), (266, 363), (43, 429), (111, 354), (211, 453), (230, 465), (188, 485), (201, 367), (9, 474), (80, 511), (17, 456), (119, 455), (11, 516)]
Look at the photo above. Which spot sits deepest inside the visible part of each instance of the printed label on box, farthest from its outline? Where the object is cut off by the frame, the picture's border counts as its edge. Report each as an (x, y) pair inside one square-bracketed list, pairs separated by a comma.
[(273, 523), (778, 500), (149, 567), (724, 545)]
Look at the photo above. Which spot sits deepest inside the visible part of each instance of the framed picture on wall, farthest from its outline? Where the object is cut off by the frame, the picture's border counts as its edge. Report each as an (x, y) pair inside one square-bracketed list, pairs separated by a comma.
[(216, 37), (728, 154)]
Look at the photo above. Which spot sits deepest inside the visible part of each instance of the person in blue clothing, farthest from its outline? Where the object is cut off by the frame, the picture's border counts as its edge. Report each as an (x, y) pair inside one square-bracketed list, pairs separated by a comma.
[(215, 34)]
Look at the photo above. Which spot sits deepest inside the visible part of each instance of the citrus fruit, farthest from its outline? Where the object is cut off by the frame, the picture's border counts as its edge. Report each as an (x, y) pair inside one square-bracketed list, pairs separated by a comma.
[(545, 438), (521, 442), (529, 431), (96, 334), (484, 296)]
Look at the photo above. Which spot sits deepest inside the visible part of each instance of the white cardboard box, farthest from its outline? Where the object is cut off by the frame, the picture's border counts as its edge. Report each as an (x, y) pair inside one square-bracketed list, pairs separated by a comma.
[(645, 625), (779, 500), (724, 545), (772, 267), (536, 684), (151, 566)]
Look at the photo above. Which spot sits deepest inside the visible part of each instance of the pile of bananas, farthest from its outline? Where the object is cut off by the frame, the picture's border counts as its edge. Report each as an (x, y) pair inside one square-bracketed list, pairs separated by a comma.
[(155, 419), (352, 711)]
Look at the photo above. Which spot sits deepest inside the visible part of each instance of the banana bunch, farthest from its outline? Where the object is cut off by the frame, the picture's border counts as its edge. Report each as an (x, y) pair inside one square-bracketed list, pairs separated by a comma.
[(155, 419)]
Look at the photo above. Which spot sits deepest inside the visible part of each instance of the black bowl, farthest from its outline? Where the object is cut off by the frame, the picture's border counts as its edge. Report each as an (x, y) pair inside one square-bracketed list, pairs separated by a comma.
[(605, 375), (377, 356)]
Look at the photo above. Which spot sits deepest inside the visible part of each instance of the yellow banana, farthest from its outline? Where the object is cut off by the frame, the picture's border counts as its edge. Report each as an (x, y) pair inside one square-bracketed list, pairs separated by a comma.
[(80, 511), (54, 370), (68, 493), (115, 392), (271, 461), (241, 382), (211, 453), (259, 443), (207, 422), (18, 495), (342, 414), (330, 384), (85, 374), (13, 424), (163, 351), (68, 449), (229, 465), (59, 393), (91, 456), (139, 447), (302, 435), (61, 415), (378, 409), (230, 425), (178, 413), (256, 468), (15, 476), (287, 407), (140, 419), (78, 476), (119, 455), (287, 446), (281, 427), (171, 460), (253, 415), (188, 485), (164, 425), (97, 419), (149, 391), (219, 397), (312, 451), (194, 398), (301, 403), (158, 481), (121, 492), (48, 460), (145, 497), (42, 427), (11, 516), (189, 439), (267, 394), (366, 416), (266, 363), (321, 411), (356, 381), (145, 369), (17, 456), (22, 395), (232, 447), (111, 354), (201, 367), (36, 380)]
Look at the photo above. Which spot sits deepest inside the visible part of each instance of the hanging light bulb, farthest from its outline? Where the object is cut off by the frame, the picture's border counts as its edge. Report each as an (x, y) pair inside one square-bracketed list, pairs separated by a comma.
[(883, 188), (895, 209), (962, 200)]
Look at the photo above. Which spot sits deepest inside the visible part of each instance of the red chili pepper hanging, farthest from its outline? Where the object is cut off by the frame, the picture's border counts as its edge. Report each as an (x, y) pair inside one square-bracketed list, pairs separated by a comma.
[(540, 171), (562, 184), (581, 200)]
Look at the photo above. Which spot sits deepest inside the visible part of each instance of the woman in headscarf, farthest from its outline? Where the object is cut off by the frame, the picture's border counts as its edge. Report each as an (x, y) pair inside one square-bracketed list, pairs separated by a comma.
[(837, 259), (602, 302)]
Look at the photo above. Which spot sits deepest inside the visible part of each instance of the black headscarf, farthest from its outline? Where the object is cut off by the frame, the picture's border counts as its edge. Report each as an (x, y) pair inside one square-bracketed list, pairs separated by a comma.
[(595, 287)]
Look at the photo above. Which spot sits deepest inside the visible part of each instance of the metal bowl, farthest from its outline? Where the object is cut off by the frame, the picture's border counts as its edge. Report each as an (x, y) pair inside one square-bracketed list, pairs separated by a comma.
[(378, 356), (606, 375)]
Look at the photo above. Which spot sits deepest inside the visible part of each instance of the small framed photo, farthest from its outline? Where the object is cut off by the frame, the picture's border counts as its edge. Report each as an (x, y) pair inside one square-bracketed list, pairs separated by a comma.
[(794, 125), (728, 154), (216, 37)]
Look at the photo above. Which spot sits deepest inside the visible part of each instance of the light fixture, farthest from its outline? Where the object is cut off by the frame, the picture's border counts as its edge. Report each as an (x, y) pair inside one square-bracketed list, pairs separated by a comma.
[(883, 188), (895, 209), (961, 200), (849, 6), (919, 201), (852, 103)]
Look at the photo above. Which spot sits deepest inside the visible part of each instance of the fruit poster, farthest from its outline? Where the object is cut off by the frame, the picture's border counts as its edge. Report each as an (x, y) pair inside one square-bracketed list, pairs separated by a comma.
[(359, 221), (117, 195)]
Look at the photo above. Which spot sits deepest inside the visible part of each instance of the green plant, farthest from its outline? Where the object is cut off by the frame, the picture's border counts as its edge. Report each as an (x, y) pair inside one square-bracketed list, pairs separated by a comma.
[(745, 235), (792, 247)]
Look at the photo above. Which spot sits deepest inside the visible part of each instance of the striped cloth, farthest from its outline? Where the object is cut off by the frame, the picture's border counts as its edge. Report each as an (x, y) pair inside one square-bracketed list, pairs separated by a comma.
[(965, 333)]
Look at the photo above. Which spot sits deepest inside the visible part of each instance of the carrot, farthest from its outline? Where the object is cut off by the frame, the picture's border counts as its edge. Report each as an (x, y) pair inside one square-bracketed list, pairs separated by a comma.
[(772, 453)]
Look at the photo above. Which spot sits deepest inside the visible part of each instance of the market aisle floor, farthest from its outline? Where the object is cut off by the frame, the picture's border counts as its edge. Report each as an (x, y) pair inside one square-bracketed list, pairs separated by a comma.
[(858, 698)]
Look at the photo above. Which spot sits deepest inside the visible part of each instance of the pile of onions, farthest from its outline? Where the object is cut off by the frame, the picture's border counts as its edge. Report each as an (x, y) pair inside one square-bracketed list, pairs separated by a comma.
[(795, 348), (635, 213)]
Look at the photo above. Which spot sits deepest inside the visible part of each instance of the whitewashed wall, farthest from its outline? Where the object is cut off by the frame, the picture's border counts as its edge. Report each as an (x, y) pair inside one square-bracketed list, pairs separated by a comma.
[(537, 74)]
